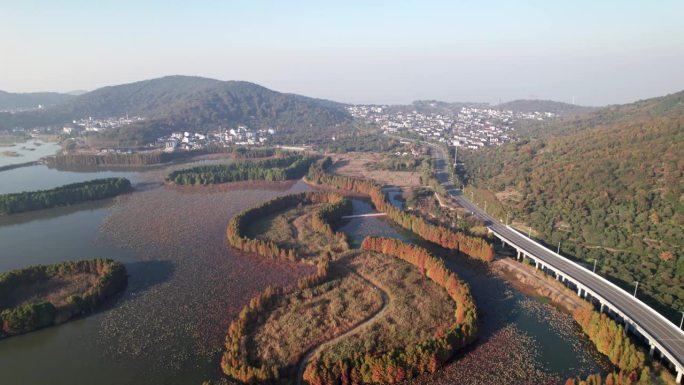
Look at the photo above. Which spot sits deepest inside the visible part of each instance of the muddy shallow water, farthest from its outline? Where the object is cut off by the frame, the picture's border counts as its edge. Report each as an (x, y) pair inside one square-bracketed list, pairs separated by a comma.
[(186, 285)]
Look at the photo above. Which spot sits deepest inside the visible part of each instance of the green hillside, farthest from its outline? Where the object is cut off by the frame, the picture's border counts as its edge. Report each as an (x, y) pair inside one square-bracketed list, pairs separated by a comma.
[(21, 101), (608, 185), (533, 105), (182, 102)]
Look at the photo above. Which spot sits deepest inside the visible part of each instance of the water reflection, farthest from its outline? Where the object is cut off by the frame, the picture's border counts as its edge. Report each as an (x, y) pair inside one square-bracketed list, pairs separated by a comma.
[(40, 177)]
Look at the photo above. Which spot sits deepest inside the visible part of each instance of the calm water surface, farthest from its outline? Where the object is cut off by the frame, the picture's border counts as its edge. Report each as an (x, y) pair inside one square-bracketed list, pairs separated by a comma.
[(28, 151), (40, 177)]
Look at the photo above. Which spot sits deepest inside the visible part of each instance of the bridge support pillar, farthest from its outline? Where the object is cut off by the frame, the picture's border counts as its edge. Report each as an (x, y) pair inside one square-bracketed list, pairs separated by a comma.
[(679, 376), (603, 307), (579, 292), (651, 350)]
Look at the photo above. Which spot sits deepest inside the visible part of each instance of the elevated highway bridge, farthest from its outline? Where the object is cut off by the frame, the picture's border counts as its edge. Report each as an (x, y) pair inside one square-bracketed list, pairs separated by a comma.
[(662, 335)]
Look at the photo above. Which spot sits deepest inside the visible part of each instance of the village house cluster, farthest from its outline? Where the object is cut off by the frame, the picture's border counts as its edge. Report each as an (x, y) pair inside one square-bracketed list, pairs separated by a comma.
[(96, 125), (240, 136), (471, 127)]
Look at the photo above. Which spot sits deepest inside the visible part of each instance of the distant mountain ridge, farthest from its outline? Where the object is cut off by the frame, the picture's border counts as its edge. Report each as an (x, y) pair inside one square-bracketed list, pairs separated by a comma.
[(186, 102), (522, 105), (533, 105), (24, 101)]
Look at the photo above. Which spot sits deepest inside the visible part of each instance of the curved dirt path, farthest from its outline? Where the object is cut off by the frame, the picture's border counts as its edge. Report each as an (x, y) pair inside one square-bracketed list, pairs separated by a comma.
[(312, 352)]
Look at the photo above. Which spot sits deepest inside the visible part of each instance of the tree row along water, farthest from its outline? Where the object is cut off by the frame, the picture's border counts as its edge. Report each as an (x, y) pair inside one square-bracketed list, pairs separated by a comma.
[(424, 356), (474, 247), (275, 169), (151, 157), (64, 195), (22, 317)]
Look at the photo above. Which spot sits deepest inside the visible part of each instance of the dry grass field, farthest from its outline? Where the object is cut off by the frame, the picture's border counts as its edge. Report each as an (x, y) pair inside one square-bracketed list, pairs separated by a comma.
[(292, 229), (418, 308), (307, 318), (389, 302), (357, 164), (55, 290)]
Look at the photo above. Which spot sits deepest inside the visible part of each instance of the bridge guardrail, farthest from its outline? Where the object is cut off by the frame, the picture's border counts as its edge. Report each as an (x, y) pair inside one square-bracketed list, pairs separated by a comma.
[(621, 290)]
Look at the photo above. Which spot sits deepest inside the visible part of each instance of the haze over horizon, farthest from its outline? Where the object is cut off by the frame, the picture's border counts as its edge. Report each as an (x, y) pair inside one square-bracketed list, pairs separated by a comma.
[(607, 53)]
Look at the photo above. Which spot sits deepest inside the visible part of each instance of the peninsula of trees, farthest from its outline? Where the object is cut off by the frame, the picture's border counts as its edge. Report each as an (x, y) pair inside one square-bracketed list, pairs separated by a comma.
[(322, 220), (269, 341), (64, 195), (151, 157), (274, 169), (420, 356), (237, 360), (46, 295)]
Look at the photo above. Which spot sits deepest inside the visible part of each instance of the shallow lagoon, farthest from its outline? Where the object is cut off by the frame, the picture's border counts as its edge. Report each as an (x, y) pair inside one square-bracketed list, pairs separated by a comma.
[(186, 285)]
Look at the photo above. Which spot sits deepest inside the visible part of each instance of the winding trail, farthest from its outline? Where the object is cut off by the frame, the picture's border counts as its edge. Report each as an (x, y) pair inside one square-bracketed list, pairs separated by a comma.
[(314, 351)]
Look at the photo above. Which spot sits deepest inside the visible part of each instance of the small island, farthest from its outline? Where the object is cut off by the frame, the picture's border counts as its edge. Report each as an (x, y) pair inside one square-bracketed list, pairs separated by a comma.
[(45, 295), (64, 195)]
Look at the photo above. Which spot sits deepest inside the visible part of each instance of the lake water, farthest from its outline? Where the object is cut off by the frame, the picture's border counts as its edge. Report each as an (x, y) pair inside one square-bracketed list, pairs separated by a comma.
[(186, 285), (28, 151), (40, 177)]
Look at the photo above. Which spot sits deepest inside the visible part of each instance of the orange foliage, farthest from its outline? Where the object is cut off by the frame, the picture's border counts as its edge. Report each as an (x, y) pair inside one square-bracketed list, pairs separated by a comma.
[(472, 246), (426, 356)]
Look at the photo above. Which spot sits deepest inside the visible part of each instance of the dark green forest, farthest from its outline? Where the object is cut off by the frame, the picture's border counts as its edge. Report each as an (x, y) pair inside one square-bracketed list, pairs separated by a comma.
[(18, 318), (275, 169), (152, 157), (608, 186), (64, 195)]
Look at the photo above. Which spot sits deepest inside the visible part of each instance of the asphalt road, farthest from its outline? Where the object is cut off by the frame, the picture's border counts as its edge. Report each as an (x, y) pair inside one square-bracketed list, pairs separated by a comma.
[(667, 334)]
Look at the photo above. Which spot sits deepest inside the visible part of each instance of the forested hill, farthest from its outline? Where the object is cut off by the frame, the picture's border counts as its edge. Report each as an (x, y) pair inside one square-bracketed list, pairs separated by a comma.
[(643, 110), (23, 101), (609, 188), (183, 102), (558, 108)]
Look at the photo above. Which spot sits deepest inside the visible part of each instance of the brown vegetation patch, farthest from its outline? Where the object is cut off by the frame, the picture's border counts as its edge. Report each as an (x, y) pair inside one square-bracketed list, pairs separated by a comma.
[(509, 195), (419, 308), (55, 289), (293, 229), (307, 318), (356, 164)]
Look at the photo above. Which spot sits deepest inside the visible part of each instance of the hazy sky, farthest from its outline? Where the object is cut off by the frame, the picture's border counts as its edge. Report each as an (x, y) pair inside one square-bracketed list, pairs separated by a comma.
[(599, 52)]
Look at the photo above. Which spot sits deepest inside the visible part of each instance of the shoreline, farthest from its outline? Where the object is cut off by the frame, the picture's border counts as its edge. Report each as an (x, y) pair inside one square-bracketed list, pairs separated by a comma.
[(532, 282)]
